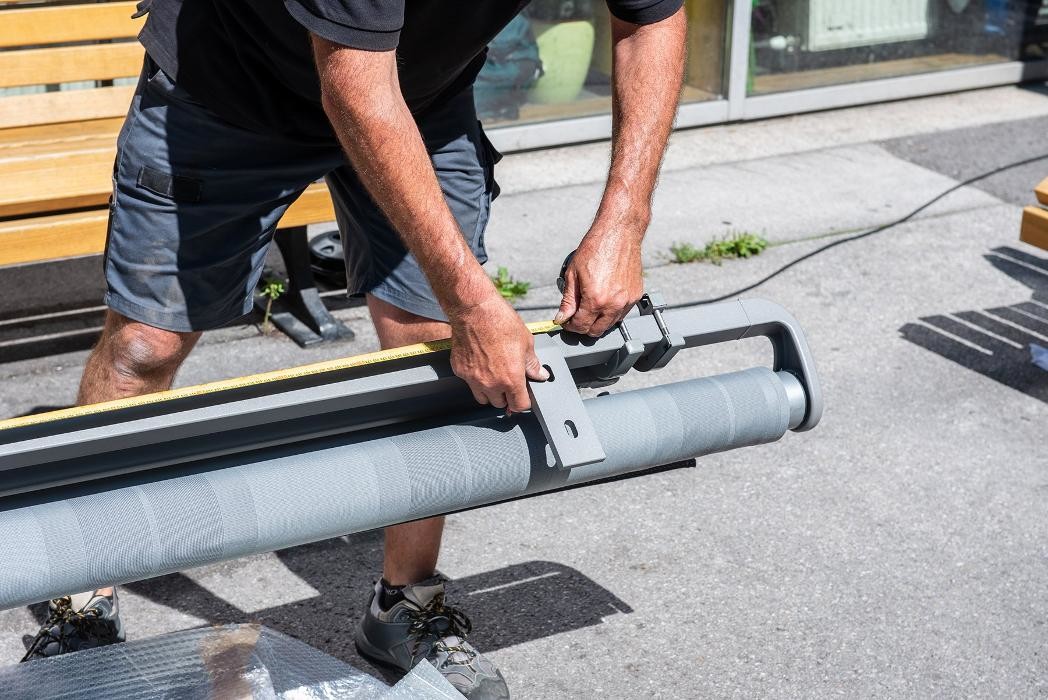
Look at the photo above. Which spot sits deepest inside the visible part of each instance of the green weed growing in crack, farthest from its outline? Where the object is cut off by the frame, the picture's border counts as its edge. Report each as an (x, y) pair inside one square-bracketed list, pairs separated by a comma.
[(734, 245)]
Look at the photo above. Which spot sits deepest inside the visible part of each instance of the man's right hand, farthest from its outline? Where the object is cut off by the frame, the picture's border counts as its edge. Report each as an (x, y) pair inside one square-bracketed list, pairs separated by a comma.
[(494, 352)]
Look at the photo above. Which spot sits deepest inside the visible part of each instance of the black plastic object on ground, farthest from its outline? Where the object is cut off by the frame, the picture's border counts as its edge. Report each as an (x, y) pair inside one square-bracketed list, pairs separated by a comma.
[(326, 260)]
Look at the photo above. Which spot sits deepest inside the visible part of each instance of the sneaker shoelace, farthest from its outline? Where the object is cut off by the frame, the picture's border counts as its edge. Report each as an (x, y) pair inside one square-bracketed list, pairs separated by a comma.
[(435, 622), (64, 623)]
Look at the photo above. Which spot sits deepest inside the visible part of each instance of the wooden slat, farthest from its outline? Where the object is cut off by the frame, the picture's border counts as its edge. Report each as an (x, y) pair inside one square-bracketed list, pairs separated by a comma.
[(1042, 192), (59, 133), (52, 237), (40, 185), (313, 207), (69, 180), (38, 149), (33, 26), (66, 106), (1035, 227), (14, 164), (68, 64), (46, 238)]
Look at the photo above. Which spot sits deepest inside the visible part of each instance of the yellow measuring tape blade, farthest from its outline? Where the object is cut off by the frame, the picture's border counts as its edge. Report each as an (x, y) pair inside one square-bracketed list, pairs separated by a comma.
[(370, 358)]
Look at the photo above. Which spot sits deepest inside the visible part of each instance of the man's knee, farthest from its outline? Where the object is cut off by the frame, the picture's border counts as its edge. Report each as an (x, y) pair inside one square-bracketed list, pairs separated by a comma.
[(396, 326), (137, 350)]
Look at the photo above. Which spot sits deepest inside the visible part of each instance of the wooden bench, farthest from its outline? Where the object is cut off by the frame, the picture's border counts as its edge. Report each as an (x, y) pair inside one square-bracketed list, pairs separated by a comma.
[(1035, 220), (57, 146)]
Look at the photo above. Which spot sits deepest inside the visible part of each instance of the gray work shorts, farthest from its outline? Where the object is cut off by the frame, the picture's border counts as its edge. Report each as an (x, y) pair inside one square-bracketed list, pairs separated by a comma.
[(196, 200)]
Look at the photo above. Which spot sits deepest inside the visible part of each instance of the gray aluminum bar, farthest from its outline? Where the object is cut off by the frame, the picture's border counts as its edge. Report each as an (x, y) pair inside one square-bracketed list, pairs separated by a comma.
[(159, 434)]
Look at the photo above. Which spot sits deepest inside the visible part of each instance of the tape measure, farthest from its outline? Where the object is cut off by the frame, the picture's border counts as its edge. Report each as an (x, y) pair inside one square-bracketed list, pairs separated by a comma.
[(370, 358)]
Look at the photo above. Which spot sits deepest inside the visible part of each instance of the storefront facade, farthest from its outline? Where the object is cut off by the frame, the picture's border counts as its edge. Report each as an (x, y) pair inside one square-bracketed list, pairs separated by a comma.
[(547, 81)]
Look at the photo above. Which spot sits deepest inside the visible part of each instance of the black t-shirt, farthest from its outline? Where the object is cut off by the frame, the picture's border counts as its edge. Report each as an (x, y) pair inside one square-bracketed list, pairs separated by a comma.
[(250, 61)]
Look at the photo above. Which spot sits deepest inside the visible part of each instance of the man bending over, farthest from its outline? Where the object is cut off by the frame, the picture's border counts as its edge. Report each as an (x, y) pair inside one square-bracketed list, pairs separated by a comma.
[(240, 106)]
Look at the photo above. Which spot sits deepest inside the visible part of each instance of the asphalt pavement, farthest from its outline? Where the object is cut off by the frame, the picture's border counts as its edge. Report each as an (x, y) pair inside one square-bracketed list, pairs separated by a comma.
[(898, 550)]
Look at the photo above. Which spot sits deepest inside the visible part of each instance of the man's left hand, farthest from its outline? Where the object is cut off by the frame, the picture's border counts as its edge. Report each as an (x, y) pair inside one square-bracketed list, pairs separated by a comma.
[(602, 282)]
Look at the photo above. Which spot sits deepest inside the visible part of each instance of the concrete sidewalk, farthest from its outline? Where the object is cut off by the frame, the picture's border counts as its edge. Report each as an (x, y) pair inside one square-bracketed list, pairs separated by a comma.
[(897, 550)]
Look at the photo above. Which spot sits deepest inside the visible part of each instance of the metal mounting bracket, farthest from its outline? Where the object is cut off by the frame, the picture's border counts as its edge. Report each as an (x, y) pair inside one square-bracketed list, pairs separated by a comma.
[(558, 406), (652, 304)]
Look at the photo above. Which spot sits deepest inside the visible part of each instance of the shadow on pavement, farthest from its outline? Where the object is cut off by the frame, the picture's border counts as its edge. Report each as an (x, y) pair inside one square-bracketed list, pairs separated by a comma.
[(995, 342), (508, 606)]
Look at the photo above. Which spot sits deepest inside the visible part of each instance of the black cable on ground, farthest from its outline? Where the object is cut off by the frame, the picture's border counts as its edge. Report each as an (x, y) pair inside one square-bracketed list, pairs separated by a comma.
[(839, 241)]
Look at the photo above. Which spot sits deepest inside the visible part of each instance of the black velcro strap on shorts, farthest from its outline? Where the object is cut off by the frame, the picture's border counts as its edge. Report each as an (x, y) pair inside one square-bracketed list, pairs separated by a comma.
[(176, 187)]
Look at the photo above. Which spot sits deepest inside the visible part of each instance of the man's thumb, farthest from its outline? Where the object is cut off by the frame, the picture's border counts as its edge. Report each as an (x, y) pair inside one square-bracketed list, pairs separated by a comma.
[(568, 305), (534, 370)]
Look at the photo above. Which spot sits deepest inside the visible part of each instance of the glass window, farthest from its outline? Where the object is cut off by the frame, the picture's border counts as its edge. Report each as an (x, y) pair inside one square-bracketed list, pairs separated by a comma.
[(799, 44), (554, 61)]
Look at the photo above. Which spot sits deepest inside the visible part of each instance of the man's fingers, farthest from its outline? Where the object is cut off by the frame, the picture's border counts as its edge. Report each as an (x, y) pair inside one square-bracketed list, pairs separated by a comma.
[(601, 325), (497, 399), (479, 396), (581, 321), (518, 400)]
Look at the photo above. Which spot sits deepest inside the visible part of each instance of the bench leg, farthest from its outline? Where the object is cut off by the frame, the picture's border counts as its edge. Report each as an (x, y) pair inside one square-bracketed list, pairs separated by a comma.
[(300, 312)]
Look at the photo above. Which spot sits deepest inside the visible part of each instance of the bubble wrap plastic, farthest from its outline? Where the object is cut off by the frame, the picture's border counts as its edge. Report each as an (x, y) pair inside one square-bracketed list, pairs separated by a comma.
[(231, 662)]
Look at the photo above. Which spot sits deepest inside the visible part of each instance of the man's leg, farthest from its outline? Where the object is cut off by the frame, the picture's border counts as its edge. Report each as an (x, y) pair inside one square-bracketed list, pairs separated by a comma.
[(412, 548), (132, 358)]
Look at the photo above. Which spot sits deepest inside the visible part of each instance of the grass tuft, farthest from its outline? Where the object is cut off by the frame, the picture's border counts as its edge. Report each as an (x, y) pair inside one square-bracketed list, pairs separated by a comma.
[(734, 245), (509, 287), (272, 289)]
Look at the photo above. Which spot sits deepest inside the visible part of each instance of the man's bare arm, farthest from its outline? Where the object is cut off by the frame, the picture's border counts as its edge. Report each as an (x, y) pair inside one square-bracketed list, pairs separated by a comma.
[(492, 349), (605, 277)]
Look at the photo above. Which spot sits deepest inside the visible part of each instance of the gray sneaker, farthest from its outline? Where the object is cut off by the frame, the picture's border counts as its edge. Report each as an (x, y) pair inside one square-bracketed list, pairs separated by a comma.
[(421, 627), (81, 621)]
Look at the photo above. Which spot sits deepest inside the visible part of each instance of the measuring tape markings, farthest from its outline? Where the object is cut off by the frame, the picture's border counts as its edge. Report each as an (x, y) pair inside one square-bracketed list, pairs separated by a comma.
[(351, 362)]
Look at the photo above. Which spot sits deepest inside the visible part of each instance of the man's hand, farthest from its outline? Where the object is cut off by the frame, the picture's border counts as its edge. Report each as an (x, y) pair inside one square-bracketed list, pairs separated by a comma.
[(602, 283), (494, 352)]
